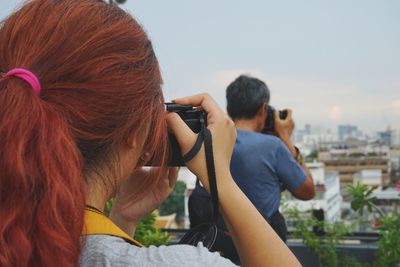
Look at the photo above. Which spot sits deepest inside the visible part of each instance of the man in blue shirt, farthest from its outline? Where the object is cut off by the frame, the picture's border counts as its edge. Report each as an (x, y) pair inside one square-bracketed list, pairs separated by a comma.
[(261, 163)]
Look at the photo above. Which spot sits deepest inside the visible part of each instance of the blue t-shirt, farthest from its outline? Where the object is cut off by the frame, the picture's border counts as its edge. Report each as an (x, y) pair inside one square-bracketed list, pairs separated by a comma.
[(259, 163)]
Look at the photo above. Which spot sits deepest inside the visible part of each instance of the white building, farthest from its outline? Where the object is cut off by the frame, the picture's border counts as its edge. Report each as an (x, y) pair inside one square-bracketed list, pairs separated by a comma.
[(327, 198), (396, 137), (186, 176), (388, 200), (310, 138), (368, 177)]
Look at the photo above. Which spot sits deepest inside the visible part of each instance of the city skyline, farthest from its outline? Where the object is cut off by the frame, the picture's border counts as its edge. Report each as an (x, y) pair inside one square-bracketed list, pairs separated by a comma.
[(333, 63)]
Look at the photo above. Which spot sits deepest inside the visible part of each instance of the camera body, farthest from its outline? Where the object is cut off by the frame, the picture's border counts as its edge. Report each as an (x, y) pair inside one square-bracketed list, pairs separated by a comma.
[(193, 118), (269, 127)]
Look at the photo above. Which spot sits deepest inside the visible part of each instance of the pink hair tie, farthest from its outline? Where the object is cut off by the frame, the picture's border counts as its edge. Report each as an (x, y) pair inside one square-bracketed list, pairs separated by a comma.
[(27, 76)]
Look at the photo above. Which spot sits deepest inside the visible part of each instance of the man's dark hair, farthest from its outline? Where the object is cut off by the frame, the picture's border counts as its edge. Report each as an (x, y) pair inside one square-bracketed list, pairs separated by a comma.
[(245, 96)]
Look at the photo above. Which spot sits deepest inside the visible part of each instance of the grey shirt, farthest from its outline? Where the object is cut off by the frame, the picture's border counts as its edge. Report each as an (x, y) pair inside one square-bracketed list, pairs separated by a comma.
[(104, 250)]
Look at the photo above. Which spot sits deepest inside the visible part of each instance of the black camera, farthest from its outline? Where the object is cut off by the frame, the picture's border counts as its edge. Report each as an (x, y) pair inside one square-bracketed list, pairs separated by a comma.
[(194, 118), (269, 127)]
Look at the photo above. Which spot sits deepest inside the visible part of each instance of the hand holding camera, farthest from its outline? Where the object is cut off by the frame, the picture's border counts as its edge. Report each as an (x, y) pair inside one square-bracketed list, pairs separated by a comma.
[(223, 136), (284, 126), (269, 125), (280, 123)]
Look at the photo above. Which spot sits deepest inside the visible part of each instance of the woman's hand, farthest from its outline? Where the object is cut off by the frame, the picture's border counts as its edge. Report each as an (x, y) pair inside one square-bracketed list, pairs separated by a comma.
[(222, 130), (128, 212)]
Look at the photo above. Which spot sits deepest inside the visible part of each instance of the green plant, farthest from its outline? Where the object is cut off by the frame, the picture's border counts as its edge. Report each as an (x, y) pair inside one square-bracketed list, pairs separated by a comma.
[(349, 261), (148, 235), (145, 232), (108, 206), (175, 203), (389, 229), (362, 199), (312, 156), (324, 247), (389, 241)]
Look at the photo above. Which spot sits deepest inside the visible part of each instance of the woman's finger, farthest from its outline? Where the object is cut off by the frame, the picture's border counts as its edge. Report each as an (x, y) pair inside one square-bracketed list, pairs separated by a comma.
[(203, 100)]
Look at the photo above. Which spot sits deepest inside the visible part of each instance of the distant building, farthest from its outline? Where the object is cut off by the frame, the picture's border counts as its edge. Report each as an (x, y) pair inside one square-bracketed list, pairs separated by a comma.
[(327, 198), (386, 137), (347, 167), (346, 130), (353, 142), (388, 200), (307, 128), (311, 137), (368, 177), (395, 141), (186, 176), (354, 155)]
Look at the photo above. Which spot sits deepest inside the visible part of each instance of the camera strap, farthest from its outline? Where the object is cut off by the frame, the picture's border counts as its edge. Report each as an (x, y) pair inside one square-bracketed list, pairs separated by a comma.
[(211, 173), (205, 136), (196, 147), (207, 232)]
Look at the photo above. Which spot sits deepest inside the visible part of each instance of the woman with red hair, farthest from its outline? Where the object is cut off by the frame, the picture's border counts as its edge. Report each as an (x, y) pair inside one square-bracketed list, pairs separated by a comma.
[(81, 109)]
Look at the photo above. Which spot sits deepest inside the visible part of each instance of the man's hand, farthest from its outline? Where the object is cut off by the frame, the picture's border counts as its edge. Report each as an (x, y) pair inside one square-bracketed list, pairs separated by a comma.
[(284, 127)]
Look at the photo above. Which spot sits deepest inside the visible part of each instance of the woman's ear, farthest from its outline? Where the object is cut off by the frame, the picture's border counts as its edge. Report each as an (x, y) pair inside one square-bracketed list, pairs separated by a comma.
[(132, 142), (138, 138)]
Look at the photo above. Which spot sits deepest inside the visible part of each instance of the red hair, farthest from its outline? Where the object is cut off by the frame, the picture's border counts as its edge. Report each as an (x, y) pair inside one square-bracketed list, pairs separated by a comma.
[(101, 85)]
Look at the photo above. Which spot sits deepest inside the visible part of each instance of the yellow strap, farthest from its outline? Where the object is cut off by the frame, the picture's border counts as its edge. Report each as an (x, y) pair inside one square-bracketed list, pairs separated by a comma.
[(98, 224)]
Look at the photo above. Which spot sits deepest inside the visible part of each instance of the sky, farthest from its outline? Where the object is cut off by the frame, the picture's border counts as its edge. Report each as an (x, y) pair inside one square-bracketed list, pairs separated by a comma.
[(332, 62)]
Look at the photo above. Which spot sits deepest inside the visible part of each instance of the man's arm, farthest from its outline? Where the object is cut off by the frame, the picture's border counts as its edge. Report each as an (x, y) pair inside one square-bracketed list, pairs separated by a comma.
[(306, 191), (284, 129)]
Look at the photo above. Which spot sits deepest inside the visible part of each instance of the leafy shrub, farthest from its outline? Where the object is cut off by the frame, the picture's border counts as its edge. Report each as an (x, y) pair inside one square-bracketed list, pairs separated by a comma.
[(362, 199), (148, 235), (389, 225), (145, 232), (324, 247), (175, 203)]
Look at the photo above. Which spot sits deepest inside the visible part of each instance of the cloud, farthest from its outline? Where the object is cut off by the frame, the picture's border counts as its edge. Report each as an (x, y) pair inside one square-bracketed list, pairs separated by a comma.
[(319, 102), (396, 106), (324, 103), (336, 114), (310, 100)]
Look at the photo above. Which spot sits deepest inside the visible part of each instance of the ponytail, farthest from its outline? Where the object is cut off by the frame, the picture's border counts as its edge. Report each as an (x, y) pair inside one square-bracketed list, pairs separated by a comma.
[(100, 86), (41, 195)]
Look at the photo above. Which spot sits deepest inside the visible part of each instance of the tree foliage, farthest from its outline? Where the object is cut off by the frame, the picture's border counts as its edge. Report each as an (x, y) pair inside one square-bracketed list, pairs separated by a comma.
[(389, 225), (324, 247), (362, 198), (145, 232), (148, 235), (175, 203)]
